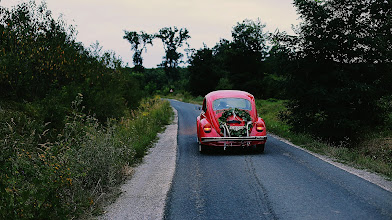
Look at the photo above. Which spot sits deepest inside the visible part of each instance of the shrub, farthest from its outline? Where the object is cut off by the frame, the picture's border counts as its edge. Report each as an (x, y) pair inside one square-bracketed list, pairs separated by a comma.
[(71, 175)]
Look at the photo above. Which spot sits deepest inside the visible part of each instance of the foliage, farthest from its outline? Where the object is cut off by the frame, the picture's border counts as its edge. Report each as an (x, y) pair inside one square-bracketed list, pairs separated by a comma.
[(154, 81), (137, 40), (270, 110), (244, 115), (41, 62), (204, 72), (236, 64), (58, 161), (72, 175), (248, 51), (37, 52), (172, 39), (340, 68), (274, 86), (185, 97)]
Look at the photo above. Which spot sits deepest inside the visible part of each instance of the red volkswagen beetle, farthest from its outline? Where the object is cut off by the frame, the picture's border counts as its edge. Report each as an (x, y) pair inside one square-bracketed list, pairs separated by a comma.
[(229, 119)]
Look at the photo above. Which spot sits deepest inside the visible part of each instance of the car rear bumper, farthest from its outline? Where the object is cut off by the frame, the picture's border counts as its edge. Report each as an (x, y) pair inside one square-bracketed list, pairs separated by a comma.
[(234, 139)]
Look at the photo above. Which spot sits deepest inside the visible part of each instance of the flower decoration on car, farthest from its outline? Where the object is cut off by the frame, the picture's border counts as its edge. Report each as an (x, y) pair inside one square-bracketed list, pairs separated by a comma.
[(244, 115)]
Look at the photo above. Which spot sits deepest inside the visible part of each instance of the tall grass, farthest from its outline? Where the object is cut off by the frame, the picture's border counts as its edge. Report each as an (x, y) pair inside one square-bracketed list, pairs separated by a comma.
[(72, 175)]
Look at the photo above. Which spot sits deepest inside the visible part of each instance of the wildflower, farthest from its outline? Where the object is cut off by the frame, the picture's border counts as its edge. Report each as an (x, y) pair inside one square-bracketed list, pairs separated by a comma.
[(70, 181)]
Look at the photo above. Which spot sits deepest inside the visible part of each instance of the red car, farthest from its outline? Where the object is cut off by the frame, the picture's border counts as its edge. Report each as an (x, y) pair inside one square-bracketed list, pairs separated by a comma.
[(229, 119)]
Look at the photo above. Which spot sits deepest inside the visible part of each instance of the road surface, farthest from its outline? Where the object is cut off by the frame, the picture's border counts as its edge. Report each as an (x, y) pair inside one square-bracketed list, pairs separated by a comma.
[(283, 183)]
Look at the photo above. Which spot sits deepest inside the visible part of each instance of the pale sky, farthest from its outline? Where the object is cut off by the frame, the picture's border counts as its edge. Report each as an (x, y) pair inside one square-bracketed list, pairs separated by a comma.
[(207, 20)]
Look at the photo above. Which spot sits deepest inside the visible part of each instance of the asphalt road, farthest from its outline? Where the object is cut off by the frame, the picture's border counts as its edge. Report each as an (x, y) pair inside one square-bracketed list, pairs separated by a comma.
[(283, 183)]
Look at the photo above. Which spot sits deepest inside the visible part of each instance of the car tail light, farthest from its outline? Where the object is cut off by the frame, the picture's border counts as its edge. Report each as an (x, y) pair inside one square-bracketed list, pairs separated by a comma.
[(207, 128), (259, 127)]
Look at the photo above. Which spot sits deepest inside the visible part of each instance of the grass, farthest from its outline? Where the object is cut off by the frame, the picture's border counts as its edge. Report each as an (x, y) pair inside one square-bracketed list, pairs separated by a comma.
[(186, 97), (73, 175)]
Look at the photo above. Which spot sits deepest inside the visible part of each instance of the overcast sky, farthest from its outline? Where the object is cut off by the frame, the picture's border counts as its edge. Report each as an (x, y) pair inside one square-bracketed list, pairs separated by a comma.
[(207, 20)]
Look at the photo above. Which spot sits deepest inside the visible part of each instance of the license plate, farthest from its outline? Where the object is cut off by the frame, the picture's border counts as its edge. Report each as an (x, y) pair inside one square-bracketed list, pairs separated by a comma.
[(236, 128)]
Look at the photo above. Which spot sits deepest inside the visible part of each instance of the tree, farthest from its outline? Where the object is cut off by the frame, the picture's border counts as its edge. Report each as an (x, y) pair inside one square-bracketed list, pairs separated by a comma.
[(244, 56), (340, 67), (172, 39), (139, 43), (248, 36), (204, 72), (236, 64)]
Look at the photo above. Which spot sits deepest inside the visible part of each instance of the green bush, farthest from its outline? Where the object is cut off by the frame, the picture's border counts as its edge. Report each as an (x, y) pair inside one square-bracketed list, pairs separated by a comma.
[(26, 162), (71, 175)]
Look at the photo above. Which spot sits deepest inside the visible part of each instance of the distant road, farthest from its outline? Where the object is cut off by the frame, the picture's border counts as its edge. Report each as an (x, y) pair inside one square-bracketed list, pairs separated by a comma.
[(283, 183)]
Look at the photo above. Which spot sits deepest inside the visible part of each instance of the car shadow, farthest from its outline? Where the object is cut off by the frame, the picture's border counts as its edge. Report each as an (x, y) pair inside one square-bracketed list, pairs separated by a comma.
[(232, 151)]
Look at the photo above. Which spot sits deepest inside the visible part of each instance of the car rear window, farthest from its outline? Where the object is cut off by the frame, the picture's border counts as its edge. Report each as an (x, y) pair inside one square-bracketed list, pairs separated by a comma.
[(226, 103)]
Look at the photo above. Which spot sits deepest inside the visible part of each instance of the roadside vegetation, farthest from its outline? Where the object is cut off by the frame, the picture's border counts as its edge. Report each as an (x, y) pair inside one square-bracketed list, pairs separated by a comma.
[(73, 121), (73, 174), (373, 152)]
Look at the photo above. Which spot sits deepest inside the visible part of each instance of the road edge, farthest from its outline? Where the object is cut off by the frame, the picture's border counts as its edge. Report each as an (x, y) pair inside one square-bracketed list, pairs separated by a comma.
[(144, 195), (364, 174)]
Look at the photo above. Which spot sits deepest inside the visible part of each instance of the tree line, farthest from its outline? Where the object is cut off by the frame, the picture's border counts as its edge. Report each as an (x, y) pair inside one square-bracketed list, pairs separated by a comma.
[(172, 39), (41, 63), (335, 72), (339, 68)]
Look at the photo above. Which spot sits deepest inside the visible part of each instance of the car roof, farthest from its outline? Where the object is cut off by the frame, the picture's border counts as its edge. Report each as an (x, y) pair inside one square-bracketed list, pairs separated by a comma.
[(229, 94)]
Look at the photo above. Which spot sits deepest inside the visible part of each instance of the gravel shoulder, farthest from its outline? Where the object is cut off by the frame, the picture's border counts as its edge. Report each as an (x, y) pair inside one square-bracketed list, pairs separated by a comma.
[(144, 195)]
